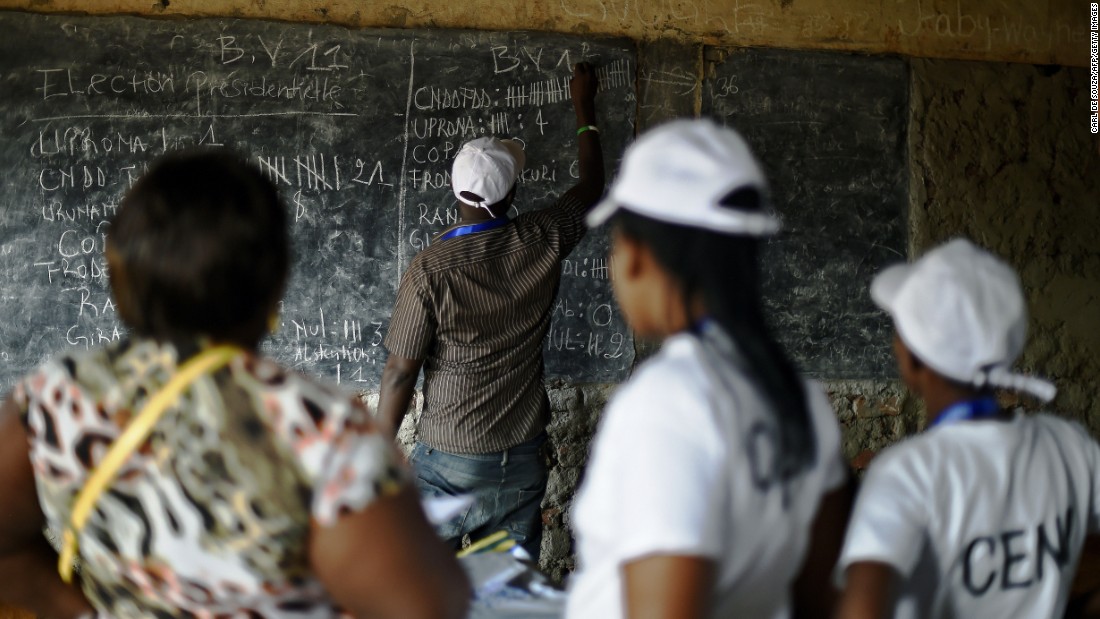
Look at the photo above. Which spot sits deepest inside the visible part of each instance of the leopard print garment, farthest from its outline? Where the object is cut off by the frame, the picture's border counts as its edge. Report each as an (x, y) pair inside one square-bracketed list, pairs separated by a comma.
[(210, 518)]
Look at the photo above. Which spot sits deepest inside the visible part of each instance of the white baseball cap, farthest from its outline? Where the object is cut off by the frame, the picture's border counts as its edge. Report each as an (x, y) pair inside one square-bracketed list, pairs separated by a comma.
[(961, 311), (679, 172), (487, 168)]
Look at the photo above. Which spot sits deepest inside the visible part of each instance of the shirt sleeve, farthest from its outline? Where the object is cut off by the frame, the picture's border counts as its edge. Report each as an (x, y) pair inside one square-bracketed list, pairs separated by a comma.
[(347, 462), (563, 223), (668, 467), (413, 321), (890, 517), (359, 466)]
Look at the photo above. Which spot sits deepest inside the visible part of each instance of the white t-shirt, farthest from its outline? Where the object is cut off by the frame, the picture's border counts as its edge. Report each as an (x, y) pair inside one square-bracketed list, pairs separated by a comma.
[(682, 465), (981, 518)]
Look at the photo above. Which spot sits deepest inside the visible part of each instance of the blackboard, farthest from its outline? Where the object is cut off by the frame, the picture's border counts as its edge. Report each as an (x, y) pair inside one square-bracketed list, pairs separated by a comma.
[(830, 132), (357, 128)]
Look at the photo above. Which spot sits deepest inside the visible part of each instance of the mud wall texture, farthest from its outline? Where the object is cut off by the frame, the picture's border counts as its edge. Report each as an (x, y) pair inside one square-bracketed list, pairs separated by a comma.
[(999, 151)]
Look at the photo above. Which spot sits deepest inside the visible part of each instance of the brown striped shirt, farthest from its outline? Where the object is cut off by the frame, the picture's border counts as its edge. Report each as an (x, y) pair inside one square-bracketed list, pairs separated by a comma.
[(476, 308)]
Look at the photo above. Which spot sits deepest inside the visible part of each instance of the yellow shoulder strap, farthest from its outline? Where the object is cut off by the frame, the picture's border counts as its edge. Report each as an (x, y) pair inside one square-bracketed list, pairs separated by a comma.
[(131, 438)]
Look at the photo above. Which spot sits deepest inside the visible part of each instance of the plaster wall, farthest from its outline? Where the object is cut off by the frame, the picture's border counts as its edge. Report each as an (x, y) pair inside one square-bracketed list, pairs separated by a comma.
[(1040, 31)]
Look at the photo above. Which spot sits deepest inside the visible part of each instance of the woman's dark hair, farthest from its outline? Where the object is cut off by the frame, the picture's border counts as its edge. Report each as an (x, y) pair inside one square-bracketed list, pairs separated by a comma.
[(724, 270), (199, 247)]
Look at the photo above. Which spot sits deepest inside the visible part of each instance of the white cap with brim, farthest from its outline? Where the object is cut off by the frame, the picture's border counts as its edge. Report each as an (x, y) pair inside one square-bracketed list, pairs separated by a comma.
[(961, 311), (679, 173), (488, 168)]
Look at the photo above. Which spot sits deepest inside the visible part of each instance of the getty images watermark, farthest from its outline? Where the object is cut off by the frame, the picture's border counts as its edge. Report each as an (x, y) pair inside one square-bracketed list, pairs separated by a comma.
[(1094, 61)]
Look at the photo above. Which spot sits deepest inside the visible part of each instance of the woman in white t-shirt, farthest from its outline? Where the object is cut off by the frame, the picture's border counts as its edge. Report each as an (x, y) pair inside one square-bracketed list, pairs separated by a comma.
[(715, 486), (985, 513)]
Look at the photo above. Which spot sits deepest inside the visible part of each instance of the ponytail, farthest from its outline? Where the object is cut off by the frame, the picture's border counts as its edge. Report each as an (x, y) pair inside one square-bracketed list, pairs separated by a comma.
[(724, 270)]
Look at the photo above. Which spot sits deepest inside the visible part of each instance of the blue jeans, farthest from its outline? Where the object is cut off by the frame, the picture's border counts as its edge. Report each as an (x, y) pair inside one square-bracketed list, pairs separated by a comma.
[(508, 487)]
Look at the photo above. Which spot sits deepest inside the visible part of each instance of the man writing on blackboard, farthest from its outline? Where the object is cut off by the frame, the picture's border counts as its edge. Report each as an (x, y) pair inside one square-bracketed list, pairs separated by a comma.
[(473, 310)]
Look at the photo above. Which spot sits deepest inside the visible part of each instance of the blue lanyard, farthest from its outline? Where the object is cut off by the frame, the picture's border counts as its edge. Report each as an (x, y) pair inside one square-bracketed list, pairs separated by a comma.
[(474, 228), (701, 325), (982, 408)]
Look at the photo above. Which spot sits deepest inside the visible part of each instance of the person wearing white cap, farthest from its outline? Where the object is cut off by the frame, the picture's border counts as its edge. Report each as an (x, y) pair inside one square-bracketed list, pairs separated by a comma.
[(715, 487), (473, 311), (984, 514)]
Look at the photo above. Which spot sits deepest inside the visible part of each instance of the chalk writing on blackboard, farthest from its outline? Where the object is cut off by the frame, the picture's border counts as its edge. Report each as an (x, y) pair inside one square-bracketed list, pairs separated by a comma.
[(356, 128)]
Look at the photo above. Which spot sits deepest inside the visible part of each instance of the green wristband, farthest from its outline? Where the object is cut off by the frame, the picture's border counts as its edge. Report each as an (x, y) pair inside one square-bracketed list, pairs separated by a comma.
[(588, 128)]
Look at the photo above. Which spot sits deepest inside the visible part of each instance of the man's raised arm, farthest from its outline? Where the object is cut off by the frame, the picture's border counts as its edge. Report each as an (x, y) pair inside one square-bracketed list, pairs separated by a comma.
[(583, 87)]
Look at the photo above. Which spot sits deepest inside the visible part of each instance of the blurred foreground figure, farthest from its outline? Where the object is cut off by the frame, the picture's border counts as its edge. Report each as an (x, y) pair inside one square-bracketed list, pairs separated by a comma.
[(715, 486)]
